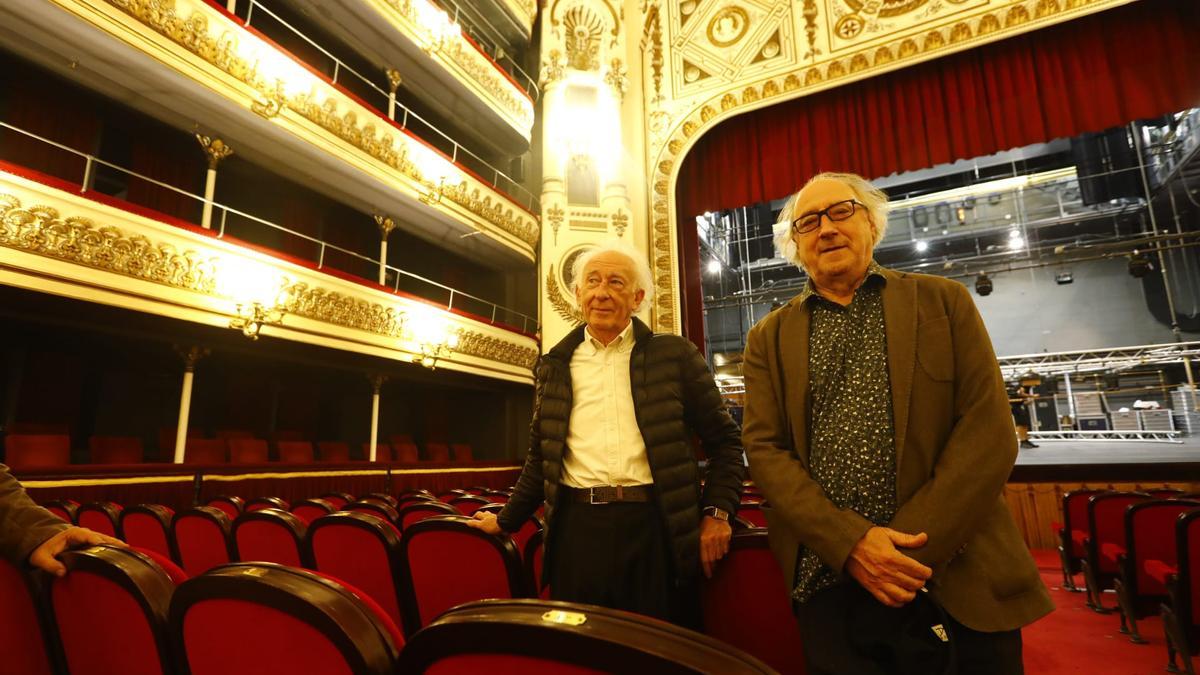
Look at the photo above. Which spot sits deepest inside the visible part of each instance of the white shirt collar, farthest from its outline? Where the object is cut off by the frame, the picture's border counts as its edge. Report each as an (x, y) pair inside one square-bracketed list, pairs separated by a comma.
[(623, 337)]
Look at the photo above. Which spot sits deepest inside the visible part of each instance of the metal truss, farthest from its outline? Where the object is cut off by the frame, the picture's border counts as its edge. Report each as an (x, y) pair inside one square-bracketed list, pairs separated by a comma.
[(1094, 436), (1111, 359)]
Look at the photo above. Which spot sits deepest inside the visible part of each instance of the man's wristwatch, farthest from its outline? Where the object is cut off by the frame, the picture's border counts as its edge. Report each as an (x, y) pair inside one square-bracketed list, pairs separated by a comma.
[(719, 514)]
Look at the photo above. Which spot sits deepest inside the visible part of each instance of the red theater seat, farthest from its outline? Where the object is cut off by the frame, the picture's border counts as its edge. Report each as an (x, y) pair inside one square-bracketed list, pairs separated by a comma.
[(1106, 526), (407, 452), (362, 550), (437, 452), (309, 510), (462, 452), (376, 507), (232, 506), (256, 619), (381, 496), (23, 647), (468, 504), (270, 535), (205, 451), (418, 511), (295, 452), (63, 508), (174, 572), (405, 500), (536, 637), (260, 503), (110, 611), (148, 526), (383, 452), (746, 606), (101, 517), (28, 452), (247, 450), (1149, 536), (496, 496), (202, 539), (116, 450), (534, 555), (447, 563), (333, 451), (1181, 614), (753, 513), (1073, 534), (337, 499)]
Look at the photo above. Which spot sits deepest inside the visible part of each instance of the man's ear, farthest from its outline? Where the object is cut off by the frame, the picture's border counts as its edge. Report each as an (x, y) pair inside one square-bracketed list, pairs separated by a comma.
[(638, 297)]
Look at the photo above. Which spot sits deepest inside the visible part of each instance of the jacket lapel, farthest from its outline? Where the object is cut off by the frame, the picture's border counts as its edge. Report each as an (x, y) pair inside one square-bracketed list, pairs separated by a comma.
[(792, 354), (900, 326)]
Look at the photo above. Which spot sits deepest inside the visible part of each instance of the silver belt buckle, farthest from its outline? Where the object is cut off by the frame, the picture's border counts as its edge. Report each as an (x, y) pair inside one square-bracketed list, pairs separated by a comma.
[(603, 491)]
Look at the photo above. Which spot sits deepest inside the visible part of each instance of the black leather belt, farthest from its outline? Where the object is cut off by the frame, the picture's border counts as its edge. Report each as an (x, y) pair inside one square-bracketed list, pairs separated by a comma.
[(608, 494)]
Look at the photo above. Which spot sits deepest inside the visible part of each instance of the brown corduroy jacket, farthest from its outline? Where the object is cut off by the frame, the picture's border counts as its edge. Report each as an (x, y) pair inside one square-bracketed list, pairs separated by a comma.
[(955, 448), (23, 524)]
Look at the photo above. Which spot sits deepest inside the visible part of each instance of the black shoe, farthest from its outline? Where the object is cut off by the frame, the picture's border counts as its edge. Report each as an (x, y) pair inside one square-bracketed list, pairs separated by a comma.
[(1028, 444)]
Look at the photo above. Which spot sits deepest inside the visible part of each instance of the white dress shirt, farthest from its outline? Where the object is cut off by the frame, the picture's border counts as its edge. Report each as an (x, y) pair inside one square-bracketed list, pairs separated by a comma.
[(604, 443)]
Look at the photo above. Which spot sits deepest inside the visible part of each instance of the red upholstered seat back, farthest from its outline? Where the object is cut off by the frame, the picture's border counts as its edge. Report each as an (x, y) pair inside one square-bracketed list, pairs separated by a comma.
[(174, 572), (746, 605), (1075, 518), (115, 450), (333, 451), (299, 622), (22, 646), (311, 509), (362, 550), (468, 504), (260, 503), (375, 507), (506, 664), (148, 526), (205, 451), (407, 452), (63, 508), (448, 563), (202, 539), (99, 516), (247, 450), (337, 499), (462, 452), (1106, 522), (1151, 536), (1189, 565), (270, 535), (383, 452), (230, 506), (110, 610), (418, 511), (295, 452), (438, 452), (534, 553), (24, 452)]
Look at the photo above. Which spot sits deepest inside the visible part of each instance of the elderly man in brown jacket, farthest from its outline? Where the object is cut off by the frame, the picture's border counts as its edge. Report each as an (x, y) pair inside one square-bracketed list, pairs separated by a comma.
[(877, 426), (29, 533)]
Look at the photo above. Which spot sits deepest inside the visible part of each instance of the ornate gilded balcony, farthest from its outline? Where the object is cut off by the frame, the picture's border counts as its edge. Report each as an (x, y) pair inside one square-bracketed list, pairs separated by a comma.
[(425, 48), (72, 242), (190, 63)]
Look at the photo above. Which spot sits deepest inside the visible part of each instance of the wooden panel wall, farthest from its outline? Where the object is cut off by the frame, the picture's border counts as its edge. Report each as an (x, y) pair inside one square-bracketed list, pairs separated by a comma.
[(1037, 507)]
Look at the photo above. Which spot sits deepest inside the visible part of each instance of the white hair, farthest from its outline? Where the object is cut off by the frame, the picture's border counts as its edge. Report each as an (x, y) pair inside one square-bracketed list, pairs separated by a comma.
[(642, 278), (872, 198)]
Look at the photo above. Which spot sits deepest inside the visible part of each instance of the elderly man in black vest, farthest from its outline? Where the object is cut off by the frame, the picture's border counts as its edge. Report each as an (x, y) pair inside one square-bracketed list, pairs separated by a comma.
[(632, 519)]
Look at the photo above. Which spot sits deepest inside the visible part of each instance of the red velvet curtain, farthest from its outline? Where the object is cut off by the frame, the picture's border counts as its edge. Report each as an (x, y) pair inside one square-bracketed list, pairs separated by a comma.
[(1133, 62), (44, 105), (171, 157)]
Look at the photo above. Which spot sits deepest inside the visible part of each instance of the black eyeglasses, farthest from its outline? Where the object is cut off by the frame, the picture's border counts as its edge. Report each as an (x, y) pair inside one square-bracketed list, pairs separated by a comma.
[(836, 212)]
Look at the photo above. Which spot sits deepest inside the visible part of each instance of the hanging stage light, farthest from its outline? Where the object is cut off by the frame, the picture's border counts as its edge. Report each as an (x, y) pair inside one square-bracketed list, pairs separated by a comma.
[(983, 284)]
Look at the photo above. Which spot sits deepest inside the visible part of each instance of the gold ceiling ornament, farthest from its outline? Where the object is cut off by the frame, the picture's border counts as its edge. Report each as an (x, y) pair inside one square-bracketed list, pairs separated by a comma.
[(728, 26), (554, 68), (617, 78), (41, 230), (652, 36), (555, 215), (620, 221), (214, 148), (339, 309), (474, 343), (583, 28), (885, 9), (562, 306)]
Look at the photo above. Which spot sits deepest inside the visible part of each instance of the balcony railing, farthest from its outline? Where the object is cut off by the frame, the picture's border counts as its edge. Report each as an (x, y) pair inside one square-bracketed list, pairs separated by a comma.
[(231, 222), (380, 99), (490, 41)]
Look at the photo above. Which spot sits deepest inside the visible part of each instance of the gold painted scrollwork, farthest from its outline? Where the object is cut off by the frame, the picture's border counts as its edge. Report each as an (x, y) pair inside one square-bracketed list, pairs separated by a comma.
[(563, 307), (494, 349)]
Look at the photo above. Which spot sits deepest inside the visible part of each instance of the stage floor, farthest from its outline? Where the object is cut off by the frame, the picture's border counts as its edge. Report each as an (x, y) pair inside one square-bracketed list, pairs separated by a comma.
[(1109, 460)]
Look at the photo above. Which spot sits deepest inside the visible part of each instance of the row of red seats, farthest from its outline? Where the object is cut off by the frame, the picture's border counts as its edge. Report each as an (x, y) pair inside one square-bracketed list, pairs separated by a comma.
[(1145, 547), (36, 451), (125, 611), (416, 556)]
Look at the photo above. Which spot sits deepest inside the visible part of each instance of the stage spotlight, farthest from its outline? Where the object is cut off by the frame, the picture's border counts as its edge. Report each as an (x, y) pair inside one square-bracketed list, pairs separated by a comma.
[(1063, 278), (922, 246), (1139, 265), (983, 285)]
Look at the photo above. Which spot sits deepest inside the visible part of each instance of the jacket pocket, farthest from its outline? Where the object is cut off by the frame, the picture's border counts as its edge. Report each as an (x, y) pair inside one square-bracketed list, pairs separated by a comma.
[(935, 349)]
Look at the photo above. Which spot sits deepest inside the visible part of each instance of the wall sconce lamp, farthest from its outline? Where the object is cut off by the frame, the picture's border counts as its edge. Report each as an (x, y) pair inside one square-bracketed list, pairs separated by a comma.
[(434, 196), (440, 348), (252, 316)]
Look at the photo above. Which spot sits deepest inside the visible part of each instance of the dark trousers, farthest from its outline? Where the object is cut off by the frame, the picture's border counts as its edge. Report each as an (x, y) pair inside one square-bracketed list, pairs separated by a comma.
[(831, 628), (616, 555)]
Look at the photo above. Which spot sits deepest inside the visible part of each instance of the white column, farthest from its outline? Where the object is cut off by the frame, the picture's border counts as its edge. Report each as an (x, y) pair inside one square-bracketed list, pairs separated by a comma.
[(216, 150), (382, 261), (185, 400), (385, 225), (394, 81), (376, 385)]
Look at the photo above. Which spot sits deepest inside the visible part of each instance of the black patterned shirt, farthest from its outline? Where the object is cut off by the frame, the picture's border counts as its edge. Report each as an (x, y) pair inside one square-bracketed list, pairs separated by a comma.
[(852, 451)]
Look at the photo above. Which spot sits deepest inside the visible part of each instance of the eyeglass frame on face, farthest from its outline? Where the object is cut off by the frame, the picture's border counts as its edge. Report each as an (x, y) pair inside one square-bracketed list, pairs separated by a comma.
[(854, 205)]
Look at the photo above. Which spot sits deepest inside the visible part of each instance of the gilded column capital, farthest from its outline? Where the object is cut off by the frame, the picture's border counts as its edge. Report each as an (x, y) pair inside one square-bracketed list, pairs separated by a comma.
[(394, 79), (376, 380), (385, 225), (215, 148), (191, 355)]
